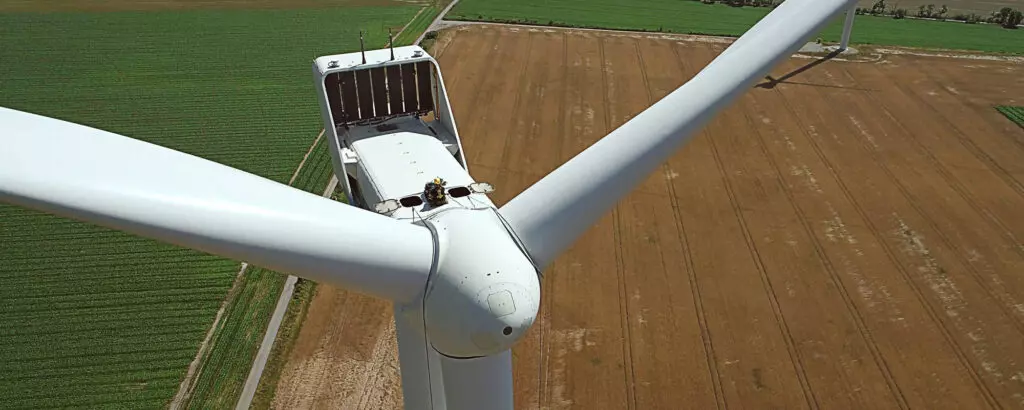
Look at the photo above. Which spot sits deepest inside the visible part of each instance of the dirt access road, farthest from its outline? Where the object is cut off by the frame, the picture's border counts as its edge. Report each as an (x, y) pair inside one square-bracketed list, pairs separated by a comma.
[(845, 238)]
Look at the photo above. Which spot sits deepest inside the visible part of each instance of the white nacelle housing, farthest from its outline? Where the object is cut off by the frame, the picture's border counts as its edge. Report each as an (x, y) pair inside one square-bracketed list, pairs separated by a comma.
[(396, 158), (390, 127), (391, 132), (486, 293)]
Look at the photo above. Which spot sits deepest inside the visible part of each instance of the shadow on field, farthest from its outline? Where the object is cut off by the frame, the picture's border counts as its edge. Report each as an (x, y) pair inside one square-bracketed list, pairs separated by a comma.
[(771, 82)]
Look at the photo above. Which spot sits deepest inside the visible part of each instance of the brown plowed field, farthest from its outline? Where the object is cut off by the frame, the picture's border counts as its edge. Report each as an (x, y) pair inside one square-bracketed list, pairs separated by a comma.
[(849, 237)]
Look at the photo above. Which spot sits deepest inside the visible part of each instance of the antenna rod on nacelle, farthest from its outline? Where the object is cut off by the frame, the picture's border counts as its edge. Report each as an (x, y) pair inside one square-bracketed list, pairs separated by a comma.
[(391, 43), (362, 49)]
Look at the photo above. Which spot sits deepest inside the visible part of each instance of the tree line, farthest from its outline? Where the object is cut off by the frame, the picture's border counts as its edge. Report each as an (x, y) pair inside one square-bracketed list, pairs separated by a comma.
[(1006, 17)]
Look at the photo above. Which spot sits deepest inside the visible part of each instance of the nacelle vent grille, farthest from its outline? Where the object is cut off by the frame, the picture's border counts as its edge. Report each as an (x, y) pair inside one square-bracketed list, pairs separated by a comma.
[(371, 94)]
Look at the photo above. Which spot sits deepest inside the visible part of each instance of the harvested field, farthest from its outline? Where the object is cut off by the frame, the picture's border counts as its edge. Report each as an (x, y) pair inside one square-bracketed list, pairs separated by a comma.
[(847, 237)]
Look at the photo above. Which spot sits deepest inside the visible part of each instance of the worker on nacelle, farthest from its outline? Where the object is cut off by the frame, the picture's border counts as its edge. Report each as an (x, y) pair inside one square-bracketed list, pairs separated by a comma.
[(434, 192)]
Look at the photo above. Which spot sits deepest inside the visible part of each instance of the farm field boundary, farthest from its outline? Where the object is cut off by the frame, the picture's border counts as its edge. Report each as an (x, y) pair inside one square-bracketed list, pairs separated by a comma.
[(692, 17)]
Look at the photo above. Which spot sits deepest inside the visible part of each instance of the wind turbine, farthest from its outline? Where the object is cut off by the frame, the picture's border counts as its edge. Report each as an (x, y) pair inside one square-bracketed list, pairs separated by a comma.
[(465, 280)]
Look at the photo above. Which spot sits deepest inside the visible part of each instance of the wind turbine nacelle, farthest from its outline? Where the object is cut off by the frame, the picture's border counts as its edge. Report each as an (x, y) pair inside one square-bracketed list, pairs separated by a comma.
[(366, 95), (486, 292)]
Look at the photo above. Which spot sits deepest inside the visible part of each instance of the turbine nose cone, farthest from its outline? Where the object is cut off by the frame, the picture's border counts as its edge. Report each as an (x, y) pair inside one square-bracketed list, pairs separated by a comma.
[(510, 311), (485, 293), (481, 323)]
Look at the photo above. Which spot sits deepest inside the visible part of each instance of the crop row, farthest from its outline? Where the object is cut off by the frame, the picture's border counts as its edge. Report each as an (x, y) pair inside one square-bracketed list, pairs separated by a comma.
[(109, 313), (99, 379), (105, 270), (74, 348), (102, 252), (1015, 114), (98, 326), (199, 297), (107, 267), (107, 362), (104, 386), (59, 264), (26, 302), (72, 288), (145, 392)]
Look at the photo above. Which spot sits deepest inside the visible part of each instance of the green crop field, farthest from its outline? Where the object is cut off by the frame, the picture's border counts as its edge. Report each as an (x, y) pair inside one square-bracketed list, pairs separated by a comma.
[(96, 318), (1015, 114), (692, 17)]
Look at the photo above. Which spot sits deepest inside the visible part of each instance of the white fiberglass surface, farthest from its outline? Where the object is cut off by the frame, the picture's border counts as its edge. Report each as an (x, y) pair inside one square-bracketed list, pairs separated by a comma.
[(401, 163), (148, 190)]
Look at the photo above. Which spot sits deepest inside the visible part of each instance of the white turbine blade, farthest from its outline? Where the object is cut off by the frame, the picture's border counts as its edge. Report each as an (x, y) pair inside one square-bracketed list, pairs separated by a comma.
[(419, 363), (550, 215), (478, 383), (127, 184)]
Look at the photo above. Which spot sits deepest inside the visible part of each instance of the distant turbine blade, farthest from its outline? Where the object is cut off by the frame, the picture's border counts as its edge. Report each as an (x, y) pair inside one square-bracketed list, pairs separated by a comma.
[(478, 383), (148, 190), (550, 216)]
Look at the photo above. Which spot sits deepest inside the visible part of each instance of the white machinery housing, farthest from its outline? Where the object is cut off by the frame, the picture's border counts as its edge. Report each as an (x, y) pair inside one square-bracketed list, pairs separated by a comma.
[(390, 127)]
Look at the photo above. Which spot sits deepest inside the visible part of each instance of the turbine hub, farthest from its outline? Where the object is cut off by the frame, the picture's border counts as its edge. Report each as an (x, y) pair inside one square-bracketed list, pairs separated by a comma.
[(485, 294)]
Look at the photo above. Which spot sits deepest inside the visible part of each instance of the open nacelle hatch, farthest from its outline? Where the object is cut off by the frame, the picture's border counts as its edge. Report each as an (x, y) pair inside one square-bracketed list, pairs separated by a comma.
[(372, 94), (388, 206)]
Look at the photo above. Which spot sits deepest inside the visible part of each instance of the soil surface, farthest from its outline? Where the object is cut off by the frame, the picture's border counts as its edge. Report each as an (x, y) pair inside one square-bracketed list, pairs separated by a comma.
[(847, 237)]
